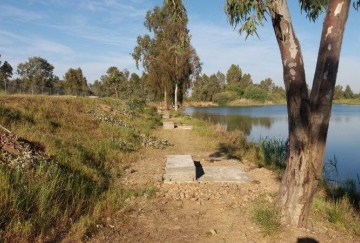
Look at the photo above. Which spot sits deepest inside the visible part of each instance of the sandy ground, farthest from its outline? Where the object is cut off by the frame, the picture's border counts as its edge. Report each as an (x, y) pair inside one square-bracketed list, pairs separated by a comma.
[(199, 212)]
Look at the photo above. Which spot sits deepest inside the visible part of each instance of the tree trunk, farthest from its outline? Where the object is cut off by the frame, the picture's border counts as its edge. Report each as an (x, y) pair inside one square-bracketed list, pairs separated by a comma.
[(176, 84), (176, 96), (165, 99), (308, 118), (116, 93)]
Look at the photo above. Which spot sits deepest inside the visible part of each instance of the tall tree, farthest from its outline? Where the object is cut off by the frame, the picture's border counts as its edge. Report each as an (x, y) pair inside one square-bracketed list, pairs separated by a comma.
[(338, 92), (221, 79), (348, 93), (36, 72), (233, 75), (267, 85), (115, 80), (168, 58), (308, 115), (74, 81), (6, 72)]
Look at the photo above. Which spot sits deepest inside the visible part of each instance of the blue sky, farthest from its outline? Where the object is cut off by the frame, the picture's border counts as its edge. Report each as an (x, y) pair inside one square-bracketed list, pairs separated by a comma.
[(97, 34)]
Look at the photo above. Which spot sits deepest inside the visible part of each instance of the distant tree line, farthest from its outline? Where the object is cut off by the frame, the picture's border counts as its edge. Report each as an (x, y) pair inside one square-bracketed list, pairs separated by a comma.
[(35, 76), (222, 89)]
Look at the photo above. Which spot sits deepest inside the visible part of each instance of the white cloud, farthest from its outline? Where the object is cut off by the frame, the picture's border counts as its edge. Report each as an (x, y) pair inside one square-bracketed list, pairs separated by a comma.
[(18, 14)]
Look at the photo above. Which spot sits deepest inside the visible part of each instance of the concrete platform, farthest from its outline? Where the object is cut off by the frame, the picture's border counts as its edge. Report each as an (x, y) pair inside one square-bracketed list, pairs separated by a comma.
[(222, 174), (183, 127), (180, 168), (168, 125), (165, 116)]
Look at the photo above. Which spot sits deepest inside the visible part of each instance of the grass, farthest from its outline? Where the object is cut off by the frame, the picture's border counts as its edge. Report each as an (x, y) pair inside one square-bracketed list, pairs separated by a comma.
[(274, 153), (338, 211), (88, 147), (347, 101), (266, 215)]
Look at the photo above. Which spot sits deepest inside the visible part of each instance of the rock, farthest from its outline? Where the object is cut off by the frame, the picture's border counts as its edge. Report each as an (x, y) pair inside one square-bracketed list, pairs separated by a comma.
[(213, 232)]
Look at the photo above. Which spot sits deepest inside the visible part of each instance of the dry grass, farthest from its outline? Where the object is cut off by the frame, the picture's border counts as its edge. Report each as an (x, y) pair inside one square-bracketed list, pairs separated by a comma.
[(88, 146)]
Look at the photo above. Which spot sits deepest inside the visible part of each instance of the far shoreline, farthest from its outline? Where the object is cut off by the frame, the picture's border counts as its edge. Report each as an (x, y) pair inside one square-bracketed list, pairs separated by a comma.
[(246, 102)]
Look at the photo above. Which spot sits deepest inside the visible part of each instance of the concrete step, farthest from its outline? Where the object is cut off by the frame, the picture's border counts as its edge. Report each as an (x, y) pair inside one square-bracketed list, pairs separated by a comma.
[(180, 168), (168, 125)]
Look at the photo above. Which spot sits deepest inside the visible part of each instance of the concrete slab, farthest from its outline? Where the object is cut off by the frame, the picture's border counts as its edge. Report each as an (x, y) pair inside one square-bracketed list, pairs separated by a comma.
[(179, 168), (222, 174), (168, 125), (165, 116), (178, 161), (184, 127)]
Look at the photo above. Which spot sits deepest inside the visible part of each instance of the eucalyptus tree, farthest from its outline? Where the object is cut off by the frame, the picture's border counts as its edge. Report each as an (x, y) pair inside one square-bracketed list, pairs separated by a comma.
[(233, 75), (115, 80), (6, 72), (267, 85), (348, 93), (36, 72), (221, 79), (167, 57), (74, 81), (338, 92), (308, 114)]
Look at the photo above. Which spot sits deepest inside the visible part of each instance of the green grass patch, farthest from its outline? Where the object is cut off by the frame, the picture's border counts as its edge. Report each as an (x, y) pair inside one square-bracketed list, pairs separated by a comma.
[(273, 153), (266, 215)]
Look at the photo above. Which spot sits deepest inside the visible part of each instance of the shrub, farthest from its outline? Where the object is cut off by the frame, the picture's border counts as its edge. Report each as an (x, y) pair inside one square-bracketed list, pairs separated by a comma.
[(254, 92), (225, 97)]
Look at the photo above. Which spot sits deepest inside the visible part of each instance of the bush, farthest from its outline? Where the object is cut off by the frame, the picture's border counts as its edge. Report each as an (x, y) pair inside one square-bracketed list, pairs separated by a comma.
[(254, 92), (224, 97)]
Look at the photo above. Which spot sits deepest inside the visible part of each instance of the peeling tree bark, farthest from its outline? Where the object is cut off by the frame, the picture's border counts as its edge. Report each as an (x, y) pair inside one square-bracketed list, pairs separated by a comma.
[(308, 117)]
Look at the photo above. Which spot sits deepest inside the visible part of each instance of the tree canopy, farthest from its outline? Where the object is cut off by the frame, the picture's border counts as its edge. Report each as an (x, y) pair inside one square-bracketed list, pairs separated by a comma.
[(75, 82), (6, 72), (36, 72), (167, 56)]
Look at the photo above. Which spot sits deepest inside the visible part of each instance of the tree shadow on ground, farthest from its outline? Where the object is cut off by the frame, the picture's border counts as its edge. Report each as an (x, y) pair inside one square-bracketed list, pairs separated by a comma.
[(307, 240), (226, 150)]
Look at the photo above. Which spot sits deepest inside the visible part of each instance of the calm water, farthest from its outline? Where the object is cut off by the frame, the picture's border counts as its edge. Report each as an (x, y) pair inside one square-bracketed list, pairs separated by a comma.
[(271, 121)]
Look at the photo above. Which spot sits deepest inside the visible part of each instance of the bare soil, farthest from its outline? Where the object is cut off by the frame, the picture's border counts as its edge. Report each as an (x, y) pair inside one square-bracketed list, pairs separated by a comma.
[(200, 212)]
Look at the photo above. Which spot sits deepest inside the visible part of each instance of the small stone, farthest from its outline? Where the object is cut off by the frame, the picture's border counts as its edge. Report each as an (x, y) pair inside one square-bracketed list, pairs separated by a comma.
[(213, 232)]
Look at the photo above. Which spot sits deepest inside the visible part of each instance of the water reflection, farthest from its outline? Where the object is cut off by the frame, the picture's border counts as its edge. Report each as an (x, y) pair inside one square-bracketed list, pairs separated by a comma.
[(343, 139), (236, 122)]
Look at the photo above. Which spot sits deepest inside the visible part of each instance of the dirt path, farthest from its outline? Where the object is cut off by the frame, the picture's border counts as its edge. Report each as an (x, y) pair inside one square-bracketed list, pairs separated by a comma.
[(198, 212)]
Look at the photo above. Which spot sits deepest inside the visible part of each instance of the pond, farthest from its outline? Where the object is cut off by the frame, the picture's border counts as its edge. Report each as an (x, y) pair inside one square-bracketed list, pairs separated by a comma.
[(257, 122)]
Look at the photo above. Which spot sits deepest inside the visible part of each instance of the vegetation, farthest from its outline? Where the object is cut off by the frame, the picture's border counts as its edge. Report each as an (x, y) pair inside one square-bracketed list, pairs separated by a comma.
[(309, 114), (236, 86), (74, 187), (266, 215), (75, 82), (168, 58), (88, 143), (274, 153)]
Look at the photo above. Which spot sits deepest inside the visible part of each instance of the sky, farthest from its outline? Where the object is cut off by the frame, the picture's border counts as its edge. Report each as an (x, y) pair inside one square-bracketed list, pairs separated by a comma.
[(97, 34)]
